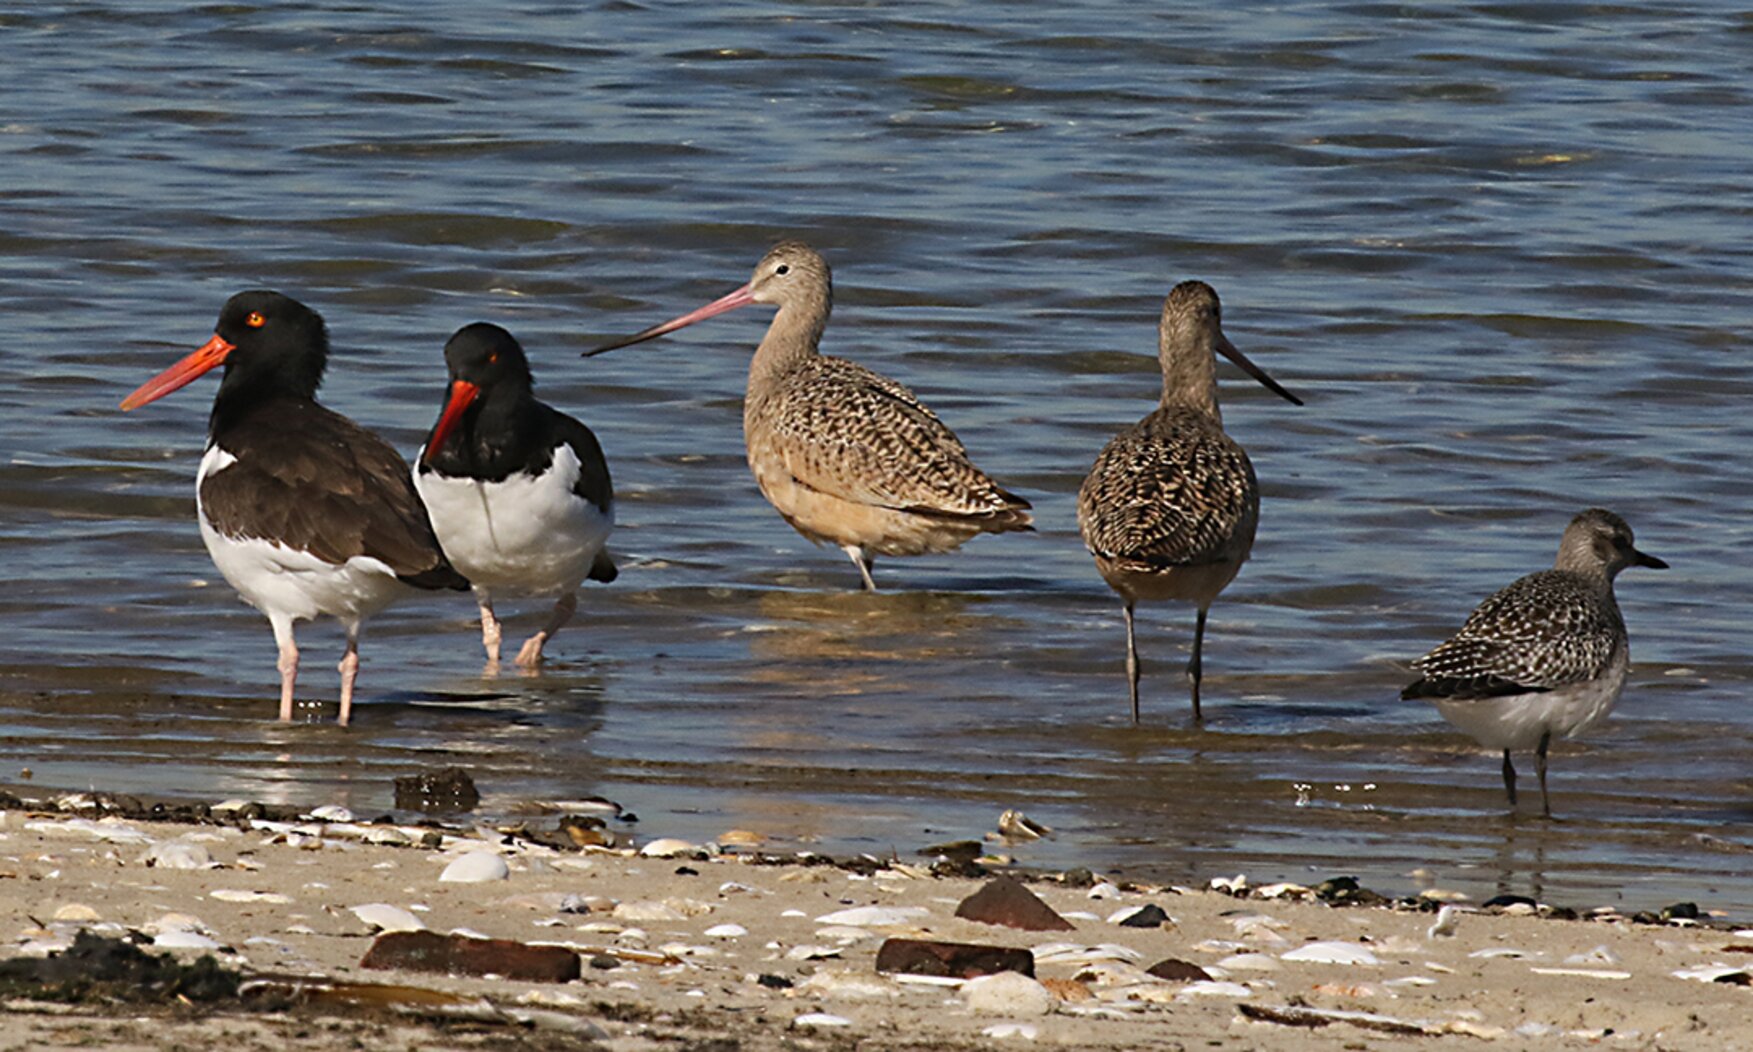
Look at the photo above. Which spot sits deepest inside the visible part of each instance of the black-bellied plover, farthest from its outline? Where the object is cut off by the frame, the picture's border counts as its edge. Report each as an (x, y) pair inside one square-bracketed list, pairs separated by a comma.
[(847, 456), (1170, 507), (1546, 656), (519, 492)]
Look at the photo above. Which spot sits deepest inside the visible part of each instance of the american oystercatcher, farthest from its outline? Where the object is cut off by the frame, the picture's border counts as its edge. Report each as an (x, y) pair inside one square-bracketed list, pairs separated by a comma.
[(519, 492), (1544, 657), (303, 511)]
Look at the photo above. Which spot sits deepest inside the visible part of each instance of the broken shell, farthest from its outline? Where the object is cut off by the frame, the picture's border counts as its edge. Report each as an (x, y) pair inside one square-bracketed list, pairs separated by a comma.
[(385, 917), (668, 847), (1018, 826), (874, 916), (476, 867), (1332, 953)]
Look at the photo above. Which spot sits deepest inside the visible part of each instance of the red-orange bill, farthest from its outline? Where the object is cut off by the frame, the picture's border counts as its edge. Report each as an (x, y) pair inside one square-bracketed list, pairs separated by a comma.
[(462, 395), (207, 356)]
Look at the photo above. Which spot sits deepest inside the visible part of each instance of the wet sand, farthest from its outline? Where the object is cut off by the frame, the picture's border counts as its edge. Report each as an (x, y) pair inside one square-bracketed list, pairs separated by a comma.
[(730, 948)]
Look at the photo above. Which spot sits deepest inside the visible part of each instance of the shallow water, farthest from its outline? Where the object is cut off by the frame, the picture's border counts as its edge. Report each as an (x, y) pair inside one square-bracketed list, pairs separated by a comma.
[(1500, 248)]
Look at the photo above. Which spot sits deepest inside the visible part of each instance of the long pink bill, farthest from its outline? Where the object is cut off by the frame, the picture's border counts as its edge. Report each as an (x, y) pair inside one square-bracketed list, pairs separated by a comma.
[(731, 301), (1228, 350)]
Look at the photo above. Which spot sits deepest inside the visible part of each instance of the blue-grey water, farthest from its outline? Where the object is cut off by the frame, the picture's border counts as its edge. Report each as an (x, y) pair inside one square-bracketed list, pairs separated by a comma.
[(1501, 248)]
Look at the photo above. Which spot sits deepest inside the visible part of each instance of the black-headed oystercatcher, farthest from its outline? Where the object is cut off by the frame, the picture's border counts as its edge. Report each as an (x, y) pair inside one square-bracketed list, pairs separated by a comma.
[(519, 492), (303, 511)]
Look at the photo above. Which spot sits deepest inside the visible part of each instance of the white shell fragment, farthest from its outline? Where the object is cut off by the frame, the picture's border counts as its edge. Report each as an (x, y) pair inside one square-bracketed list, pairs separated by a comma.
[(476, 867), (1104, 890), (847, 986), (1712, 973), (178, 854), (874, 916), (726, 931), (1018, 826), (1447, 920), (179, 939), (1007, 993), (241, 895), (668, 847), (1585, 973), (1206, 988), (332, 813), (821, 1019), (1332, 953), (385, 917), (1026, 1031), (77, 913)]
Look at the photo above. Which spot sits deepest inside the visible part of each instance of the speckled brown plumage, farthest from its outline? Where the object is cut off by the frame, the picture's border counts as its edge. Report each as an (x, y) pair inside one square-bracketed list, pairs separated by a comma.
[(1172, 490), (1170, 506), (848, 457)]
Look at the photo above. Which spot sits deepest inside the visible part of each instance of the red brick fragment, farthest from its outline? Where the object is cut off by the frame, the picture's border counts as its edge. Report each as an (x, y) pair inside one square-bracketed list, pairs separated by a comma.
[(1005, 901), (963, 960), (427, 951)]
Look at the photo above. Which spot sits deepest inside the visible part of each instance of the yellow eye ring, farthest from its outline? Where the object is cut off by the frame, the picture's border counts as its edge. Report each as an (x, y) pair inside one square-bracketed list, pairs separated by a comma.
[(256, 319)]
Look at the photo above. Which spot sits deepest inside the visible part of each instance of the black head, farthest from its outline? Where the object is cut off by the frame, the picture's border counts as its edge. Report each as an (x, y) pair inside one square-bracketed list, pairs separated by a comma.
[(275, 340), (487, 356)]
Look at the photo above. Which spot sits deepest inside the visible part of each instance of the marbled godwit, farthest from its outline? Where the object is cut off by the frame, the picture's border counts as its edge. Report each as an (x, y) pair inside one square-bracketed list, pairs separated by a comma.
[(848, 457), (519, 492), (1170, 506), (303, 511), (1545, 656)]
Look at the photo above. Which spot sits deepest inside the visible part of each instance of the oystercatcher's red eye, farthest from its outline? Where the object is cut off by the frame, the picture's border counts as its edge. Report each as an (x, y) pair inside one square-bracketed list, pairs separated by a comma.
[(256, 319), (493, 359)]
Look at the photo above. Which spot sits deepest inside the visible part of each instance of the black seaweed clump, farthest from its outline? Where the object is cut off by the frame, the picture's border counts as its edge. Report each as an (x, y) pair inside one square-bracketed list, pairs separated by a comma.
[(99, 969)]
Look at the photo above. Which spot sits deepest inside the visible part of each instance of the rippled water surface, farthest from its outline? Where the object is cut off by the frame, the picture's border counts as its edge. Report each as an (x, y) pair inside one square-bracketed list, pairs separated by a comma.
[(1501, 248)]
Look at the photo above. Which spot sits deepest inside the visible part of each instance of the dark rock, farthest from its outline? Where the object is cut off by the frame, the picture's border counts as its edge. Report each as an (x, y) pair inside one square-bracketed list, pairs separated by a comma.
[(1176, 970), (687, 871), (1078, 878), (962, 960), (442, 791), (605, 962), (1150, 916), (96, 968), (427, 951), (955, 850), (1005, 901), (1680, 911), (774, 982), (1345, 891), (1498, 902)]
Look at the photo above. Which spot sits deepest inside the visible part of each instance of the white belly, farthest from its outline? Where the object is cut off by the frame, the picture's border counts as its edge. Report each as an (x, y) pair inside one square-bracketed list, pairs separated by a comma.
[(1518, 721), (527, 535), (282, 582)]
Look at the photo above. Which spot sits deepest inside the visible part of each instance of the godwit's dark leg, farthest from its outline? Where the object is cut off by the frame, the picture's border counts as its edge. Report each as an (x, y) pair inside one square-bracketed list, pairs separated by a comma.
[(1193, 666), (1132, 660), (1509, 778), (1540, 766)]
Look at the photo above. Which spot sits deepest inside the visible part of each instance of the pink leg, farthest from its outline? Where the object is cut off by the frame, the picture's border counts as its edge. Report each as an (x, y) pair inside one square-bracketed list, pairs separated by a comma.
[(531, 654), (349, 672), (288, 666), (490, 631)]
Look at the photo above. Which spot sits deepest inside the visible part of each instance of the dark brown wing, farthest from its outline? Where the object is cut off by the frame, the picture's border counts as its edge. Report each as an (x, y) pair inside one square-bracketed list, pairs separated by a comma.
[(317, 482)]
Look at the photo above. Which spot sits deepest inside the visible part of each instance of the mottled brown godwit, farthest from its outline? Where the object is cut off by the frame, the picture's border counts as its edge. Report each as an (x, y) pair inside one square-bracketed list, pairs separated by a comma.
[(1169, 508), (848, 457)]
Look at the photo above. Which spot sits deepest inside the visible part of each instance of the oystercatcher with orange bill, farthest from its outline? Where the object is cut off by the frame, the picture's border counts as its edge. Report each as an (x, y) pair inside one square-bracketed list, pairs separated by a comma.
[(303, 511), (519, 492)]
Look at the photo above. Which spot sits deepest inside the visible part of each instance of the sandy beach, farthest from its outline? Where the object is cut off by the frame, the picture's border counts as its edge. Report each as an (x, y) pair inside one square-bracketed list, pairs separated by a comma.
[(736, 946)]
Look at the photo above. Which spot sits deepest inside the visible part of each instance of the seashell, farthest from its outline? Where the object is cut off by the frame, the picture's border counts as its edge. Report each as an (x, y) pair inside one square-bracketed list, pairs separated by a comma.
[(668, 847), (811, 953), (844, 934), (385, 917), (1444, 895), (77, 913), (178, 854), (1018, 826), (1212, 988), (1007, 993), (846, 986), (740, 838), (183, 940), (1599, 955), (1504, 951), (1585, 973), (1229, 885), (1347, 989), (331, 813), (1104, 890), (1332, 953), (811, 1019), (240, 895), (725, 931), (1283, 890), (476, 867), (1000, 1031), (874, 916), (1713, 973), (1411, 980), (1250, 962)]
